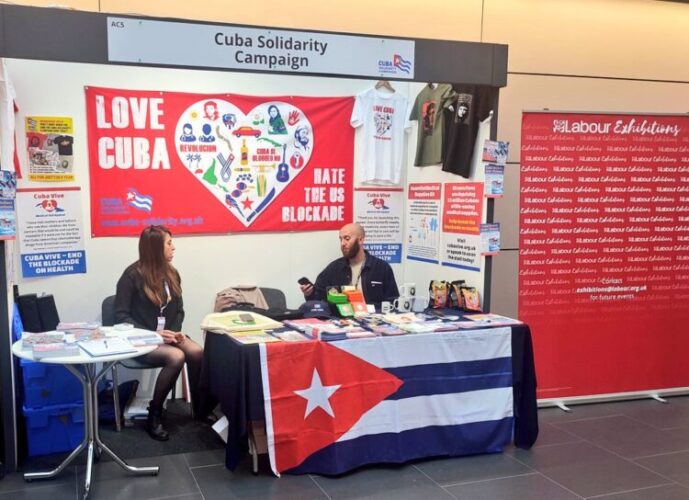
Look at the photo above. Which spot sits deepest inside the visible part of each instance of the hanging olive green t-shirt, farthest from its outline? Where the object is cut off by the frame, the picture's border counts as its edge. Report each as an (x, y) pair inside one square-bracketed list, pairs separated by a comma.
[(428, 110)]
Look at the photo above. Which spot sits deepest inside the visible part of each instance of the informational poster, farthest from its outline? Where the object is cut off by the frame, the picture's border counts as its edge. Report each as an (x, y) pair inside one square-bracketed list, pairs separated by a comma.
[(218, 163), (380, 212), (50, 231), (50, 145), (423, 221), (8, 194), (462, 216), (490, 238), (604, 250)]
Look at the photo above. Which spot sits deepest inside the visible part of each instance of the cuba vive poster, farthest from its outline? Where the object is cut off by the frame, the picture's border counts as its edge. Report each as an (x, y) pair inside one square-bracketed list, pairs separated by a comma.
[(218, 163)]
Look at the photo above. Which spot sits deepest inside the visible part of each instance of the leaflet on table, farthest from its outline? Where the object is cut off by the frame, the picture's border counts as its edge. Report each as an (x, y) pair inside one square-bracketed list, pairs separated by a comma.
[(144, 339), (55, 349), (107, 346), (492, 319), (253, 337), (29, 340), (237, 321)]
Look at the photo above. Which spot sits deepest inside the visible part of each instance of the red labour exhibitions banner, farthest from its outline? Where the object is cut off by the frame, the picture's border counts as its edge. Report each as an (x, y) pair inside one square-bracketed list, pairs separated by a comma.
[(218, 163), (604, 251)]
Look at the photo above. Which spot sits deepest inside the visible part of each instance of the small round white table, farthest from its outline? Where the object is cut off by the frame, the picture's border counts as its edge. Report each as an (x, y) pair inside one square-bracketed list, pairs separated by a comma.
[(83, 366)]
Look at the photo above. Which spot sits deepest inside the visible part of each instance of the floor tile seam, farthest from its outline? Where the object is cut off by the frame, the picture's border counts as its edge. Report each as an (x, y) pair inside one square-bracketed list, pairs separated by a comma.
[(548, 478), (635, 419), (633, 461), (434, 481), (584, 419), (578, 440), (192, 467), (477, 481), (196, 482), (35, 485), (675, 452), (644, 488), (313, 478), (181, 495)]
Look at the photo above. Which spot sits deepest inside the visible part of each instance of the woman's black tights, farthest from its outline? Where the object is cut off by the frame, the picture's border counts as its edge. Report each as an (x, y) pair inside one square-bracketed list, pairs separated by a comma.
[(171, 359)]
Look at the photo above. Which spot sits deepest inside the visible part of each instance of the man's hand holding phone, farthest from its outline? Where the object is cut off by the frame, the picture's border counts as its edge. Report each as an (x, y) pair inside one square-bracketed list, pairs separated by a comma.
[(305, 286)]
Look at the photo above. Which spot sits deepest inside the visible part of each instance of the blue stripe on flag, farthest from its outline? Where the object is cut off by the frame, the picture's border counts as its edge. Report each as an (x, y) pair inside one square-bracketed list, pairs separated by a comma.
[(453, 440), (447, 378)]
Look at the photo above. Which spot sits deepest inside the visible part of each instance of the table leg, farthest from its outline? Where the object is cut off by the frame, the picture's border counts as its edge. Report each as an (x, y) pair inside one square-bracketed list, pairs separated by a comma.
[(30, 476), (89, 380)]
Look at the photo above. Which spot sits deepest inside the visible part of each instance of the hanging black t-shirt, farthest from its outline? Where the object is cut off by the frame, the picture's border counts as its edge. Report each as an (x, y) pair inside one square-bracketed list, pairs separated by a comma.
[(470, 105)]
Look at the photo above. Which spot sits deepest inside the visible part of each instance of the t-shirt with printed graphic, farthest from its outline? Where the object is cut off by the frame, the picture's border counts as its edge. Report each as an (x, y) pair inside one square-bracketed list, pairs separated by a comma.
[(383, 118), (427, 109), (468, 107), (64, 144)]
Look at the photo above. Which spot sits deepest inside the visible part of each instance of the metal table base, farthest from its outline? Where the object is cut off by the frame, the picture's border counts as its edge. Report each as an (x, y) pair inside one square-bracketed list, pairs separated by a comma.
[(89, 378)]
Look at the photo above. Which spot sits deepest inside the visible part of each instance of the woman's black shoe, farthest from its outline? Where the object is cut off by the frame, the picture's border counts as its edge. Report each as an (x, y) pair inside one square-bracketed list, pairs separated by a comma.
[(154, 425)]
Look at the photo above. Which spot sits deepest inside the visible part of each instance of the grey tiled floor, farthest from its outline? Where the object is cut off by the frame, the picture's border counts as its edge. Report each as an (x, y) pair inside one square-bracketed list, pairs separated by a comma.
[(618, 451)]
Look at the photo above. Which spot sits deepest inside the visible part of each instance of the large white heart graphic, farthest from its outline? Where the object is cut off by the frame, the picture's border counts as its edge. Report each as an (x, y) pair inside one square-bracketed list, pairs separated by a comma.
[(245, 161)]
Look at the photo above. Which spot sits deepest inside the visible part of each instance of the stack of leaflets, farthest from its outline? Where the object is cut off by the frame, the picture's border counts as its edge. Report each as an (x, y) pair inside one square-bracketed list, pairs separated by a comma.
[(291, 336), (81, 330), (387, 330), (478, 320), (400, 318), (238, 321), (144, 339), (308, 326), (419, 326), (48, 345), (253, 337)]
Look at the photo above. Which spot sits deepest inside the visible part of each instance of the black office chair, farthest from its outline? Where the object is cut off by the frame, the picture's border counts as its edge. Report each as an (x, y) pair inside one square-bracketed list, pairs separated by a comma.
[(108, 319)]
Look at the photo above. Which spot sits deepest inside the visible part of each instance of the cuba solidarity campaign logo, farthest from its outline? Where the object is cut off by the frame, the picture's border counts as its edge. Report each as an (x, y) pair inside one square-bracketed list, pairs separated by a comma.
[(394, 66)]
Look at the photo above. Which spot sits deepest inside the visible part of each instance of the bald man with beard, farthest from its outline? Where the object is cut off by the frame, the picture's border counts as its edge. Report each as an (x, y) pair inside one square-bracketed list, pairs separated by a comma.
[(357, 268)]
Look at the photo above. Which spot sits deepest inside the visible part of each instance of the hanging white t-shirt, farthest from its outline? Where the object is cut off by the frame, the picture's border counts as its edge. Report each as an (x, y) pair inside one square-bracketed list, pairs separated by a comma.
[(384, 117)]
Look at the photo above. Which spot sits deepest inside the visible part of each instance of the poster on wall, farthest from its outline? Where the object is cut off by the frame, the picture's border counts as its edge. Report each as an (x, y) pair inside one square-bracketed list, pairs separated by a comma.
[(604, 250), (423, 221), (50, 148), (462, 216), (218, 163), (50, 231), (379, 211), (8, 194)]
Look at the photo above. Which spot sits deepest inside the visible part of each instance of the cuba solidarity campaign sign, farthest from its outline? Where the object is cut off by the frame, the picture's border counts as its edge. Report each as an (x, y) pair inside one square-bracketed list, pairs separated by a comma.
[(218, 163)]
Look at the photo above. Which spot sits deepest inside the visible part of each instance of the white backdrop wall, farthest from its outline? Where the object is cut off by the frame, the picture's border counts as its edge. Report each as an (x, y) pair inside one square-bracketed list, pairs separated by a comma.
[(206, 263)]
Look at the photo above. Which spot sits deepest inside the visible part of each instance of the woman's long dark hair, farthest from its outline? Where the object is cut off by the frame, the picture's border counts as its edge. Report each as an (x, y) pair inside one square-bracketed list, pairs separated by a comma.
[(153, 266)]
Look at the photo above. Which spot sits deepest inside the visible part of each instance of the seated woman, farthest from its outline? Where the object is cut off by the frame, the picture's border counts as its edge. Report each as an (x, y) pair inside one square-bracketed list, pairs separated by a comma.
[(149, 296)]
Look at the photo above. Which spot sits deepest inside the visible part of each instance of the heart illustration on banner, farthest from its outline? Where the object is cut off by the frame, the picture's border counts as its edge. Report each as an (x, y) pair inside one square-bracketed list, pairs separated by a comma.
[(244, 160)]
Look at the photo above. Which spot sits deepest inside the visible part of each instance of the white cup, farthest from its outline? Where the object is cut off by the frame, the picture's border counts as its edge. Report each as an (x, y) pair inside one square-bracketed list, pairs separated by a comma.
[(419, 304), (385, 307), (408, 290), (402, 304)]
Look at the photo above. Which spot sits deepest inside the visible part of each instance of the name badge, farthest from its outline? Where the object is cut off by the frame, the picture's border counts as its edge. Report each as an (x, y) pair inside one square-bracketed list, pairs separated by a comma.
[(161, 324)]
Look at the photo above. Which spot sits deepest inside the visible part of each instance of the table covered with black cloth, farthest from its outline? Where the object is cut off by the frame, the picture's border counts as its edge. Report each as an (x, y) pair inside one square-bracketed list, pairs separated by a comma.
[(231, 376)]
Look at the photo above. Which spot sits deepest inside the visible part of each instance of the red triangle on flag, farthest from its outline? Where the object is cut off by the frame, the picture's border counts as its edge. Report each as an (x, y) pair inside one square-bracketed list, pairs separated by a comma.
[(317, 393)]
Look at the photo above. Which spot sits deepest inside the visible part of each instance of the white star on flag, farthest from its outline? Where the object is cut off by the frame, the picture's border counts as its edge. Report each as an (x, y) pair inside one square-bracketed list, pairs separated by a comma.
[(318, 395)]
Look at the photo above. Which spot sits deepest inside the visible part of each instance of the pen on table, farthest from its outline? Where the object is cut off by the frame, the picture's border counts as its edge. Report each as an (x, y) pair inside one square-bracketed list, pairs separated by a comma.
[(105, 341)]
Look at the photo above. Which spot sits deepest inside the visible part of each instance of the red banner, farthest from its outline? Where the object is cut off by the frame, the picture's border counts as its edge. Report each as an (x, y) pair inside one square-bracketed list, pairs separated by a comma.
[(218, 163), (604, 251)]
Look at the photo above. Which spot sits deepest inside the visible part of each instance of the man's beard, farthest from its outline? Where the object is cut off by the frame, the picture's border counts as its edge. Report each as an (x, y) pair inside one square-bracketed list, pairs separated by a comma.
[(353, 250)]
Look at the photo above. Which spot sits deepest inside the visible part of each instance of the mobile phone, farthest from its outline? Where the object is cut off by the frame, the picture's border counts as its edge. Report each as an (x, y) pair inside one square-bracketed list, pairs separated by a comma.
[(246, 318), (304, 281)]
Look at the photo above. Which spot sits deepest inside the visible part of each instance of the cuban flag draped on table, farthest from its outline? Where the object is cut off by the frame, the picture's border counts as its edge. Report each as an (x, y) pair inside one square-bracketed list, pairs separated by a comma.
[(332, 407)]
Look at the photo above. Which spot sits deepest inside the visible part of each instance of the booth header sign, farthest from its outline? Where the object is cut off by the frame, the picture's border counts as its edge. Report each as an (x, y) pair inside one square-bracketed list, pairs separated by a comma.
[(255, 49)]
